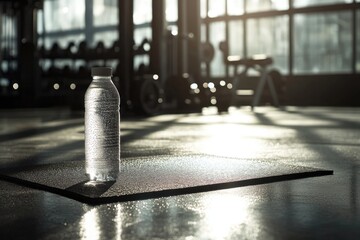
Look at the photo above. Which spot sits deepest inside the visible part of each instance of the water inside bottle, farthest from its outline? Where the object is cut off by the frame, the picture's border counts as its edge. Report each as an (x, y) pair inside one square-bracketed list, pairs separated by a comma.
[(103, 151)]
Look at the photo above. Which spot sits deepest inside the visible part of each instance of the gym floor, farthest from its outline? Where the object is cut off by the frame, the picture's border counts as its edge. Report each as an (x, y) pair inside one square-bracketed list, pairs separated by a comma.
[(326, 207)]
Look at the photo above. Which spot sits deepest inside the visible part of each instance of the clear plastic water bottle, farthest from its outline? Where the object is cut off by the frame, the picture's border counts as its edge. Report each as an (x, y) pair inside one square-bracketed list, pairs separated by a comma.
[(102, 127)]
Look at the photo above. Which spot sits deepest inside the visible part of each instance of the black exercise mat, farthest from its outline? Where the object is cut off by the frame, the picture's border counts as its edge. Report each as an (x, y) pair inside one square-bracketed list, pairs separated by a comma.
[(152, 177)]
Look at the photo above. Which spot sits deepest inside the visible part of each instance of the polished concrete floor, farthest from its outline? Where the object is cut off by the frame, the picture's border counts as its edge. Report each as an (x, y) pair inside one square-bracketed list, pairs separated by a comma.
[(324, 207)]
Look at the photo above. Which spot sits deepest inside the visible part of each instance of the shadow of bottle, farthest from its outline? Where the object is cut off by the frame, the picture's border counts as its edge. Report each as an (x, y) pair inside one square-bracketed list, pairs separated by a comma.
[(90, 188)]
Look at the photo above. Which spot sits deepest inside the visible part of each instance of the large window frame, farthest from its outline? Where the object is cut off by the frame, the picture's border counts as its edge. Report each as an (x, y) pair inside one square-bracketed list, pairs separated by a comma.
[(88, 31), (245, 16)]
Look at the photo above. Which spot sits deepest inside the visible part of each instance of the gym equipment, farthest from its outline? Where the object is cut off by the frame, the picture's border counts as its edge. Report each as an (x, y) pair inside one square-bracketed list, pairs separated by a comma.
[(114, 50), (70, 49), (55, 50), (116, 47), (82, 49), (83, 72), (207, 52), (261, 64), (100, 48), (146, 95), (143, 48), (53, 71), (66, 71), (150, 96), (42, 51), (145, 45), (142, 69)]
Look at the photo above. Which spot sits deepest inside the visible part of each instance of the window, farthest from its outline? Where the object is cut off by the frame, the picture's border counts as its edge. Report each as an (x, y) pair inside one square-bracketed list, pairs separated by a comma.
[(142, 11), (216, 8), (265, 5), (322, 37), (306, 3), (64, 15), (9, 52), (142, 29), (270, 36), (64, 21), (235, 7), (203, 8), (322, 42), (171, 11), (8, 35), (105, 12), (236, 36), (217, 35), (171, 14)]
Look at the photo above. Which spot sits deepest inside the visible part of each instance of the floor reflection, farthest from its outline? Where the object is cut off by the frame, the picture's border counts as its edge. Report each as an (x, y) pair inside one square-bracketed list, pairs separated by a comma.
[(118, 222), (101, 222), (224, 214), (90, 225)]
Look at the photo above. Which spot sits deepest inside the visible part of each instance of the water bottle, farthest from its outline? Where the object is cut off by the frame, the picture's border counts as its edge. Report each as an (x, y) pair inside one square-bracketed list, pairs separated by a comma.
[(102, 127)]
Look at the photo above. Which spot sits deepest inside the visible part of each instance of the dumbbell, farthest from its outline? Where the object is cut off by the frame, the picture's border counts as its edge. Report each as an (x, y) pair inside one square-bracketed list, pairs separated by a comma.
[(207, 52), (66, 71), (53, 71), (70, 49), (55, 50), (82, 49), (100, 47), (145, 45), (83, 72), (116, 47), (42, 51), (142, 69)]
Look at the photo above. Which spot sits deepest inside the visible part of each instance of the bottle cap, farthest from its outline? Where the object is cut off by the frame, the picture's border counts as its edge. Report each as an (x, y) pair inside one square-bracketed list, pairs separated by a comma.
[(101, 71)]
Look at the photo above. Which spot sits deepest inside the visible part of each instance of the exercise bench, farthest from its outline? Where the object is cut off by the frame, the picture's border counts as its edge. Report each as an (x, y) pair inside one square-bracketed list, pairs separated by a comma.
[(260, 63)]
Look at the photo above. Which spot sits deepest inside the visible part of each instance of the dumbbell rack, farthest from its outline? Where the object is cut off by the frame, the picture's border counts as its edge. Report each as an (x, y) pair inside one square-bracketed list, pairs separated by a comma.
[(71, 80)]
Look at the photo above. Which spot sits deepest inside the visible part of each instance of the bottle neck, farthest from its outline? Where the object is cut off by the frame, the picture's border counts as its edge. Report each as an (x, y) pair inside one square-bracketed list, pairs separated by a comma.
[(101, 78)]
